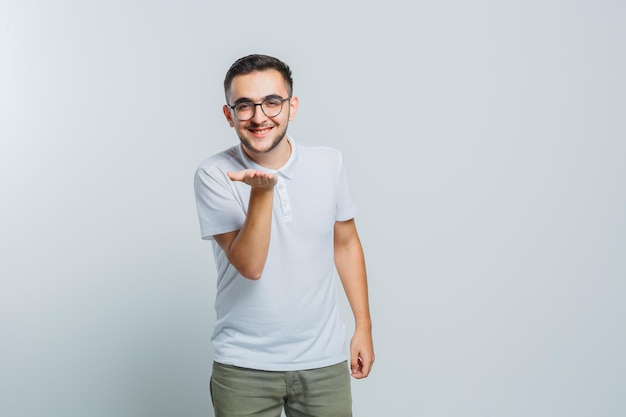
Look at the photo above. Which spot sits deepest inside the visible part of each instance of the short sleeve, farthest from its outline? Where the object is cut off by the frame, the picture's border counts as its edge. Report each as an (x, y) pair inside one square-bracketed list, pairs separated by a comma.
[(219, 209), (346, 206)]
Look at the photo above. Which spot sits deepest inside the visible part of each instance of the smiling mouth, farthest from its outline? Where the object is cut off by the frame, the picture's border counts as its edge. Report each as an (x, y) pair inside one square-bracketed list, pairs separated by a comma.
[(260, 131)]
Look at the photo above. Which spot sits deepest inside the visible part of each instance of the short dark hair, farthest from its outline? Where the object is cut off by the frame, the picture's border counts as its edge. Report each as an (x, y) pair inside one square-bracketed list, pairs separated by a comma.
[(257, 62)]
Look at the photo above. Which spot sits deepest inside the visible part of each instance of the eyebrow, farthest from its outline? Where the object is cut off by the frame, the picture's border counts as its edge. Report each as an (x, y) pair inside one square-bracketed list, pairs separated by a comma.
[(248, 100)]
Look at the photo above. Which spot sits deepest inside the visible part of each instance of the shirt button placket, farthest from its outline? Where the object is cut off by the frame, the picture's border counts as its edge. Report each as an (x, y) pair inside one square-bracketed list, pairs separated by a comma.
[(283, 197)]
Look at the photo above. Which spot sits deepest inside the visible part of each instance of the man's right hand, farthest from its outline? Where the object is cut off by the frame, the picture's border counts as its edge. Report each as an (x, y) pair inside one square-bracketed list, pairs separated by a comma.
[(254, 178), (247, 248)]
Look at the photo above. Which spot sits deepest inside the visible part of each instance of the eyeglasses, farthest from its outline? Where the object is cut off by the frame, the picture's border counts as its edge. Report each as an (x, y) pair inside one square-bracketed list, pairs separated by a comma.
[(271, 107)]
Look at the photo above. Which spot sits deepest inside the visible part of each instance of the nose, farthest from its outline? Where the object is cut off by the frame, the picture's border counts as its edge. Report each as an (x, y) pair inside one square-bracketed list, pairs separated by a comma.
[(258, 116)]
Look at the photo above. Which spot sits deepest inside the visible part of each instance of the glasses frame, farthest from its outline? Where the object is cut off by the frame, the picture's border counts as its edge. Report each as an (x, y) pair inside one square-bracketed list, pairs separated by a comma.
[(282, 104)]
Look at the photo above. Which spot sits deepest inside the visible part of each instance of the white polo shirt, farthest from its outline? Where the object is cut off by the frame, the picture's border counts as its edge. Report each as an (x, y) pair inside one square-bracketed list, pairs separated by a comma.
[(289, 318)]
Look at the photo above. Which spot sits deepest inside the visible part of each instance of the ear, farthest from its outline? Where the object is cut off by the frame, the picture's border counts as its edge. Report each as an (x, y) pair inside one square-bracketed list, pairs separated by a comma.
[(293, 107), (228, 115)]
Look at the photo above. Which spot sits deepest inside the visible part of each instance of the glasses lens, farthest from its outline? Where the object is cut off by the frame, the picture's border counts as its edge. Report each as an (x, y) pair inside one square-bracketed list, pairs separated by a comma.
[(245, 111), (272, 107)]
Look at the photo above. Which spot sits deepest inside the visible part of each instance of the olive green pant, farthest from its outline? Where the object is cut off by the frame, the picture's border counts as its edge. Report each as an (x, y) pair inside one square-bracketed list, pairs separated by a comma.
[(322, 392)]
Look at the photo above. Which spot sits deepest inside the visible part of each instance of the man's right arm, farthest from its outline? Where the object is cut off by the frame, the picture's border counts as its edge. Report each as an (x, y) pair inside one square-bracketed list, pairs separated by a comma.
[(247, 248)]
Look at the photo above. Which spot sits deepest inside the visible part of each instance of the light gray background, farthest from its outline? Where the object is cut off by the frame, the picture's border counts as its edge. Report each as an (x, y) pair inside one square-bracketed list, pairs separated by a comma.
[(485, 142)]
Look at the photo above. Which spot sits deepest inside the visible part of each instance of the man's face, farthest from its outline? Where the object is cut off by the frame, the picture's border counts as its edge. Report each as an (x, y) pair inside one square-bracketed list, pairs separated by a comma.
[(261, 133)]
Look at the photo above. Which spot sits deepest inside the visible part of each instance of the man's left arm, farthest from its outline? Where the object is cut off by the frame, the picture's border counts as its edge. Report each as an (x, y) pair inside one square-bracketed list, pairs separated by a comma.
[(350, 263)]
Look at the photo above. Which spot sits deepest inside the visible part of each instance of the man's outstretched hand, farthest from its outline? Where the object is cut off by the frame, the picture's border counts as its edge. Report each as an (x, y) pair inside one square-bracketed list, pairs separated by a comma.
[(254, 178)]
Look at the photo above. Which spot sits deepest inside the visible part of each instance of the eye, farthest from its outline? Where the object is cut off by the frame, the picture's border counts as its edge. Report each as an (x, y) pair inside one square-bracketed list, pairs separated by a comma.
[(243, 106), (272, 102)]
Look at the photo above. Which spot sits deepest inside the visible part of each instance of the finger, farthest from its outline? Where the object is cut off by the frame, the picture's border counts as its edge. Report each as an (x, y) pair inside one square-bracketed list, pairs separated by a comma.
[(239, 176), (355, 364), (365, 363), (264, 179), (247, 175), (265, 176), (366, 366)]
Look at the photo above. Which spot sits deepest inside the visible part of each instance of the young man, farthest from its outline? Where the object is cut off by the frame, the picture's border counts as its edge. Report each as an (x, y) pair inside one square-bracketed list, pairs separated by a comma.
[(281, 219)]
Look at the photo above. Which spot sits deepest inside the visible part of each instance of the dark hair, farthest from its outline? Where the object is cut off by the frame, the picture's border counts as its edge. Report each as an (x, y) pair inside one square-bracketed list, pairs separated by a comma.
[(256, 62)]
